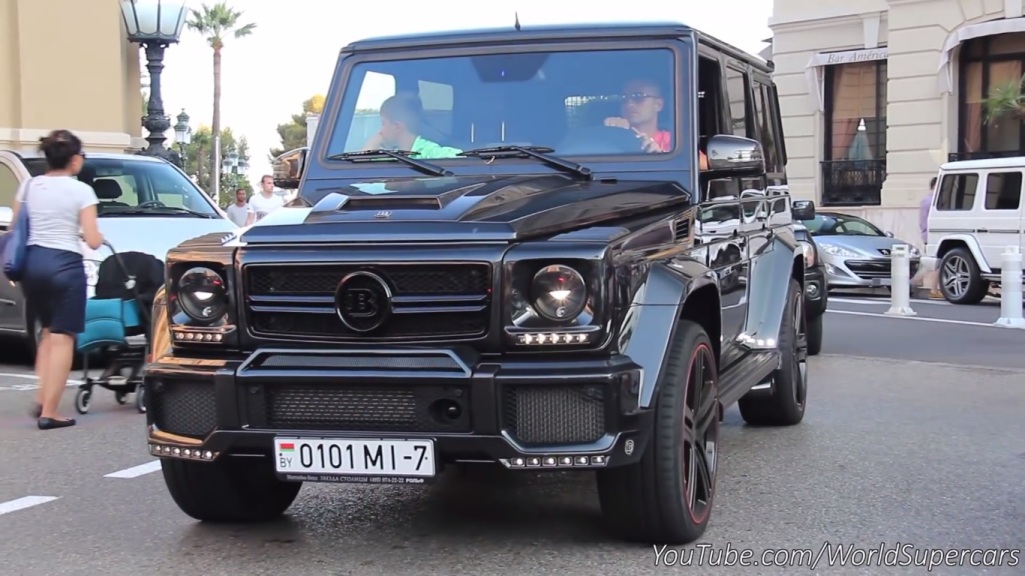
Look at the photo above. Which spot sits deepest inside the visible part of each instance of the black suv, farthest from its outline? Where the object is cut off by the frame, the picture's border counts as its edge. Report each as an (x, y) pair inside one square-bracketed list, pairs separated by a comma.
[(500, 253)]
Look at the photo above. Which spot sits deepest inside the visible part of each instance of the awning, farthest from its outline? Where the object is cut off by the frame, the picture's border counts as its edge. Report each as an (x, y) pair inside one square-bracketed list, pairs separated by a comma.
[(815, 75), (961, 35)]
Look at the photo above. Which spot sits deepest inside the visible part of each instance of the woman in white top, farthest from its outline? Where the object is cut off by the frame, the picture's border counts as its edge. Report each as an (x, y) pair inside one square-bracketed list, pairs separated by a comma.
[(62, 211)]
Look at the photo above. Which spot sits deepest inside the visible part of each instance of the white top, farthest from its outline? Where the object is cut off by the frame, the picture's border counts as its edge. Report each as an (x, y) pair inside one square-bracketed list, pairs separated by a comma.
[(54, 205), (239, 214), (263, 205)]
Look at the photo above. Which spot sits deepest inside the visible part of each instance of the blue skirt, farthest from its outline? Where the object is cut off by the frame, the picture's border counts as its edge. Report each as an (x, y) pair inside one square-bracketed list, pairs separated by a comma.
[(55, 289)]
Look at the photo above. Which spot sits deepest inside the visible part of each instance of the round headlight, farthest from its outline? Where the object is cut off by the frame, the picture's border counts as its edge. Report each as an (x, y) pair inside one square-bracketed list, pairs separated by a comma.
[(559, 292), (203, 294)]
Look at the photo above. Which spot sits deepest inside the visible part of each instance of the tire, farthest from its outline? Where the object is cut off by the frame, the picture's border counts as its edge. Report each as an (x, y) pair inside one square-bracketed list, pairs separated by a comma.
[(644, 501), (140, 398), (229, 489), (783, 404), (815, 335), (960, 279), (83, 399)]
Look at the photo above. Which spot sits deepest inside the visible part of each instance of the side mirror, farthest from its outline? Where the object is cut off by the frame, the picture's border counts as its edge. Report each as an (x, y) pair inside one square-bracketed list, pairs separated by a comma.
[(6, 216), (288, 168), (802, 210), (735, 155)]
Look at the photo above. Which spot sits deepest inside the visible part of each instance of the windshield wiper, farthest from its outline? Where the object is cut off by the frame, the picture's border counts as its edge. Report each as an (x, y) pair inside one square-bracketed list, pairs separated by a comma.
[(157, 210), (400, 155), (542, 153)]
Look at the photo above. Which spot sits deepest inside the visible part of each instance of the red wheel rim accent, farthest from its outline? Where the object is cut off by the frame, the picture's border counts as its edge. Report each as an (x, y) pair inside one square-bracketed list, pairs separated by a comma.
[(700, 434)]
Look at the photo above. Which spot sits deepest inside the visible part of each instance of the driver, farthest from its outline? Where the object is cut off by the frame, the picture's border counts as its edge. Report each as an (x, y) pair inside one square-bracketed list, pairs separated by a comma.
[(400, 120), (642, 102)]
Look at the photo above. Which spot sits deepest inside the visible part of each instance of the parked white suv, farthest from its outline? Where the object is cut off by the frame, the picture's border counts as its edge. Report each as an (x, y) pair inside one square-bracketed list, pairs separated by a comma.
[(976, 214)]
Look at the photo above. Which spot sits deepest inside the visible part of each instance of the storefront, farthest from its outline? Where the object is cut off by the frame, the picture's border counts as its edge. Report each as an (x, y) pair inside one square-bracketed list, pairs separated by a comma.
[(67, 64), (877, 94)]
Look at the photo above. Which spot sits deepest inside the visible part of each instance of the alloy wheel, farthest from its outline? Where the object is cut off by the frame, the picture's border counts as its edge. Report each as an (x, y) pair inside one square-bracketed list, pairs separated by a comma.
[(700, 434), (956, 277)]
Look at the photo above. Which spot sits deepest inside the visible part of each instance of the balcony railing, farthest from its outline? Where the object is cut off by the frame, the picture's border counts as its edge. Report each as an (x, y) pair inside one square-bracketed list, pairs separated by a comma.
[(985, 155), (852, 182)]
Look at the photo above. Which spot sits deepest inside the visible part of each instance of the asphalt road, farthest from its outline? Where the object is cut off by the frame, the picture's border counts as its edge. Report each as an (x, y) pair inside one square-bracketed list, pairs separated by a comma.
[(904, 450)]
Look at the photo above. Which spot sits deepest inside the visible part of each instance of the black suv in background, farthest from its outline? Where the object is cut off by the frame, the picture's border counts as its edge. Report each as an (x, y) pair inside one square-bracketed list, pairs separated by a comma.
[(816, 293), (519, 263)]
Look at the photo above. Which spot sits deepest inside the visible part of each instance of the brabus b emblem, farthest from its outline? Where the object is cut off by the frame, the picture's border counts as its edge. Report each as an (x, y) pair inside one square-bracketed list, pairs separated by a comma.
[(363, 301)]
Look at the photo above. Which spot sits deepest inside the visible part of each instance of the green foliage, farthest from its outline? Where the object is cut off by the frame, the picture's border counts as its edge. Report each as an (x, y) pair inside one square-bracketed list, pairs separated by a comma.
[(216, 22), (1006, 100), (293, 133), (197, 161)]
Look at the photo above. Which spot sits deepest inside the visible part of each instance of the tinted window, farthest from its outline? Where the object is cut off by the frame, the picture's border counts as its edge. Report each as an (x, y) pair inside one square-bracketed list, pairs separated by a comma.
[(125, 184), (8, 186), (1003, 191), (957, 192), (737, 87), (569, 101), (767, 127)]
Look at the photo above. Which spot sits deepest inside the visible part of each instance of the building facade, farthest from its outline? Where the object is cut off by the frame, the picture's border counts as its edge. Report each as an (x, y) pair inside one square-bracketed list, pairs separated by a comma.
[(877, 94), (67, 64)]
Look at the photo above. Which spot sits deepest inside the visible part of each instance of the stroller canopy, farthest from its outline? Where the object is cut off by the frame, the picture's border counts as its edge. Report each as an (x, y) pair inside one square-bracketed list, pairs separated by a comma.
[(114, 272)]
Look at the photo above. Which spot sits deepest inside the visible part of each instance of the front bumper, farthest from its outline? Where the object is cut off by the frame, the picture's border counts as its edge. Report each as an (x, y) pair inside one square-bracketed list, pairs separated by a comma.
[(538, 412), (862, 272), (815, 290)]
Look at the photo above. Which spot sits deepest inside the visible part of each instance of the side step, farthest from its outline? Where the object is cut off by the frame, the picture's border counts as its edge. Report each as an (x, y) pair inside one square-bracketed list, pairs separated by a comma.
[(746, 374)]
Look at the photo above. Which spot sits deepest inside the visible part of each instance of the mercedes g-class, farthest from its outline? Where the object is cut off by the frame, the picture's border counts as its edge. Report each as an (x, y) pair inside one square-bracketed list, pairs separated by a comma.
[(514, 265)]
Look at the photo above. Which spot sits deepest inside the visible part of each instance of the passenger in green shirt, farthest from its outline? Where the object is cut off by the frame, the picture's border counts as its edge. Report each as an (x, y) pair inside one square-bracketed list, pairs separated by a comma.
[(400, 120)]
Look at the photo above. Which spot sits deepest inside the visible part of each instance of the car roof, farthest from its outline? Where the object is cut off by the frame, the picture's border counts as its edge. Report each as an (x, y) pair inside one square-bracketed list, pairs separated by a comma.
[(35, 154), (555, 32), (986, 164)]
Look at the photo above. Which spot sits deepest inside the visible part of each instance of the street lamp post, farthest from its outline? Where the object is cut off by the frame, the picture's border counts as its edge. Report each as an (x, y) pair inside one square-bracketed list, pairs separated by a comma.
[(155, 24), (183, 135)]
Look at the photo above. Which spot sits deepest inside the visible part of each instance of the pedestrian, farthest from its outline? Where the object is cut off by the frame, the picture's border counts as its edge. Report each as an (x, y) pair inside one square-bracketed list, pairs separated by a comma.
[(61, 213), (927, 278), (240, 212), (266, 201)]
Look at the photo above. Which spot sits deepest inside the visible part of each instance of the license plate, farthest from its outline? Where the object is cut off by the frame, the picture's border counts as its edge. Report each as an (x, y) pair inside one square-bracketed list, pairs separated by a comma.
[(360, 461)]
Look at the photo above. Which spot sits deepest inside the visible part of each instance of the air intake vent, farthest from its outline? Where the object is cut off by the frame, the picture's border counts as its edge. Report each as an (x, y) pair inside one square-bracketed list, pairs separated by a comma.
[(392, 203), (682, 229)]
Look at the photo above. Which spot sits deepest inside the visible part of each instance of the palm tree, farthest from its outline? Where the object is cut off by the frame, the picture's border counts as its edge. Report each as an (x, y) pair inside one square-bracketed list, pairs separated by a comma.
[(216, 23)]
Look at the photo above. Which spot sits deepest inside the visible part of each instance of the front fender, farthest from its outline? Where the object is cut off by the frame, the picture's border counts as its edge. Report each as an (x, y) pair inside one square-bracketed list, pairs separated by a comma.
[(650, 321), (973, 246), (771, 272)]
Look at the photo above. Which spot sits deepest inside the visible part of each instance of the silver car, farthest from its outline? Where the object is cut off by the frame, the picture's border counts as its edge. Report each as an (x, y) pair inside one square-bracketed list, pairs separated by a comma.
[(146, 205), (855, 252)]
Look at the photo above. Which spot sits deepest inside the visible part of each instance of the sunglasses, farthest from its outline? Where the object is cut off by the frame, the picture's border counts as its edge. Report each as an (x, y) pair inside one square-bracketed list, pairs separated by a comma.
[(638, 97)]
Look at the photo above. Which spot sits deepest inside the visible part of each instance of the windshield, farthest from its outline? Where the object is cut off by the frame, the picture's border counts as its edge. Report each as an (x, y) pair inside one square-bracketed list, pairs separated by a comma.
[(589, 103), (138, 186), (838, 225)]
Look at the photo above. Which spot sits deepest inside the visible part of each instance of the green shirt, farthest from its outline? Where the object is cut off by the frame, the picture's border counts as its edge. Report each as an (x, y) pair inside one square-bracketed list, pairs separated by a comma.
[(428, 149)]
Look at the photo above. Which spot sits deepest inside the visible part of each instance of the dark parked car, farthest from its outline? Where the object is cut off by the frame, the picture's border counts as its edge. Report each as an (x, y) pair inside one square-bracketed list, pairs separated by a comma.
[(816, 293), (505, 274)]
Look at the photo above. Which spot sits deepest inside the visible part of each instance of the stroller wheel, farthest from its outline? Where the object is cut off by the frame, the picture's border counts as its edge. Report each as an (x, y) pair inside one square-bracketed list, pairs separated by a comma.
[(140, 399), (82, 399), (121, 397)]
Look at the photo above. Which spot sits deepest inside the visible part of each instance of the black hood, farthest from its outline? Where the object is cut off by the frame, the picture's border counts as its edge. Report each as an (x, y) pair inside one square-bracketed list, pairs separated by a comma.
[(482, 208)]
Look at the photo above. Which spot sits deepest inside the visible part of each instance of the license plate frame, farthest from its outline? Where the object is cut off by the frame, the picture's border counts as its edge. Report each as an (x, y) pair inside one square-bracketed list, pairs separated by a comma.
[(355, 460)]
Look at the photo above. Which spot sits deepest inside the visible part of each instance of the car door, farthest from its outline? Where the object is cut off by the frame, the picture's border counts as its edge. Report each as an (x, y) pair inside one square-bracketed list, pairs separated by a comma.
[(11, 301), (718, 224), (1000, 215)]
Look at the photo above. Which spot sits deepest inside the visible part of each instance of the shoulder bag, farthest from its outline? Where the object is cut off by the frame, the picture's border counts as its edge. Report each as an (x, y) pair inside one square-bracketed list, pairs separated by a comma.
[(14, 243)]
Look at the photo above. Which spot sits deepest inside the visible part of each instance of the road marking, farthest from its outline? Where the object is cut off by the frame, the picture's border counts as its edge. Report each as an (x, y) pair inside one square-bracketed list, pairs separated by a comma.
[(919, 318), (886, 301), (22, 503), (27, 387), (136, 471)]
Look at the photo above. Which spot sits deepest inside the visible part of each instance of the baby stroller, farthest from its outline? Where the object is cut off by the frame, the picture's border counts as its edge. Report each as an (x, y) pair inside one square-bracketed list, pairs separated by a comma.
[(117, 323)]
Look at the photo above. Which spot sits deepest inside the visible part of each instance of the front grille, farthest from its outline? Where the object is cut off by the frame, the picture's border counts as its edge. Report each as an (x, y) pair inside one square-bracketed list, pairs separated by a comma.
[(379, 408), (554, 414), (185, 408), (870, 269), (435, 300)]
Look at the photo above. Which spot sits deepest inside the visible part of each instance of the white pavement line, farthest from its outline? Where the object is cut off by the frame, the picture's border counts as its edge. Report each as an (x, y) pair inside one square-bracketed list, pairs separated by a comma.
[(918, 318), (136, 471), (22, 503), (24, 387), (886, 302)]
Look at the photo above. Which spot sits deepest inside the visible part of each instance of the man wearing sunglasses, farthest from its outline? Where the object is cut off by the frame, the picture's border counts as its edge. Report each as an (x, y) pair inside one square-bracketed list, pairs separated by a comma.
[(642, 103)]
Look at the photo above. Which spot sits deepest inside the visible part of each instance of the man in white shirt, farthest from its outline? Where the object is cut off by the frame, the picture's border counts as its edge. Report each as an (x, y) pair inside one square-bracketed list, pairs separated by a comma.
[(266, 201), (241, 213)]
